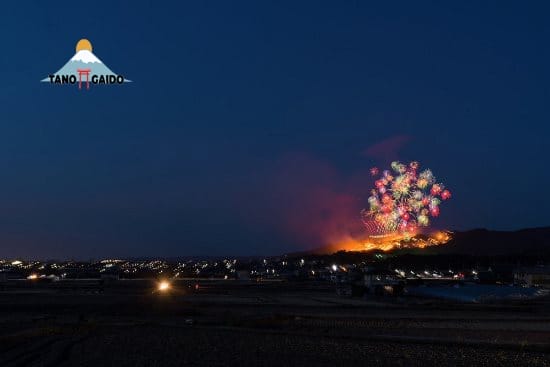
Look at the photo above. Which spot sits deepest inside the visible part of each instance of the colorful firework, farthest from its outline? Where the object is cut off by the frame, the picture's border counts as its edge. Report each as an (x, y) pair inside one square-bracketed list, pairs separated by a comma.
[(404, 202)]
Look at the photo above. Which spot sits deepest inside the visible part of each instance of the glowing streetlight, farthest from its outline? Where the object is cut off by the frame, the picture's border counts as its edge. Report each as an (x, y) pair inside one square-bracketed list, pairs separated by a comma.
[(164, 286)]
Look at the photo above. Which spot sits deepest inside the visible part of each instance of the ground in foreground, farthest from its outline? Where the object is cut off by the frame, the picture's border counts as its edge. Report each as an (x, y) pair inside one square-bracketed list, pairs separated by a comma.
[(275, 324)]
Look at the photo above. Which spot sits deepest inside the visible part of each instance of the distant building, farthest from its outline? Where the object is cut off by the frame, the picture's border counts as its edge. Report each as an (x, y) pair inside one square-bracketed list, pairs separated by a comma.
[(9, 275), (243, 274), (497, 274), (382, 282), (533, 277), (110, 276)]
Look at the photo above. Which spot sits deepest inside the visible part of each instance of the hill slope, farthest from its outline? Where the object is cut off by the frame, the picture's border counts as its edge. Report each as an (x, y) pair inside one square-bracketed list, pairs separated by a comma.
[(529, 241)]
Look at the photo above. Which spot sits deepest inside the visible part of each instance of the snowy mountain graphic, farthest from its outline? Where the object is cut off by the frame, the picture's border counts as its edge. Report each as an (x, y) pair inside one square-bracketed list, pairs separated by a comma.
[(84, 59)]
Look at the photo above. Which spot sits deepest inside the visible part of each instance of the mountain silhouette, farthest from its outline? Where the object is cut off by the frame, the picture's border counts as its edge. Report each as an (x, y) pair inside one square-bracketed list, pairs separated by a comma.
[(481, 242), (84, 59), (528, 241)]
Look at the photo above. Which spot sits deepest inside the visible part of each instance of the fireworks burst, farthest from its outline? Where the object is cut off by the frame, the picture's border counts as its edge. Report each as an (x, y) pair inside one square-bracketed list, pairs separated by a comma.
[(403, 200)]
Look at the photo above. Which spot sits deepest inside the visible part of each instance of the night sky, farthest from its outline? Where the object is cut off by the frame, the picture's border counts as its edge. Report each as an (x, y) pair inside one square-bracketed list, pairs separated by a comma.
[(250, 126)]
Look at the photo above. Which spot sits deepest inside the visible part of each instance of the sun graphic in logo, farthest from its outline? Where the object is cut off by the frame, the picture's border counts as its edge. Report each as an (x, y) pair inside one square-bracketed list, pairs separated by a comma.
[(84, 44)]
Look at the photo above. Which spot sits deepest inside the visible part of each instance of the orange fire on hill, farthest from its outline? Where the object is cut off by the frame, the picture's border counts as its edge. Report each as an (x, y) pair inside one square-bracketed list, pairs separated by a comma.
[(394, 241)]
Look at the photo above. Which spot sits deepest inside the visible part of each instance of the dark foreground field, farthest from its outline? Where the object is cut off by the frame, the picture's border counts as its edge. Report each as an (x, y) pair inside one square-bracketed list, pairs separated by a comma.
[(263, 324)]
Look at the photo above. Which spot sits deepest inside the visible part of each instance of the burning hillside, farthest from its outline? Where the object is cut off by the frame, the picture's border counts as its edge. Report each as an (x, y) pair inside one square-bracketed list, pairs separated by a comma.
[(391, 242)]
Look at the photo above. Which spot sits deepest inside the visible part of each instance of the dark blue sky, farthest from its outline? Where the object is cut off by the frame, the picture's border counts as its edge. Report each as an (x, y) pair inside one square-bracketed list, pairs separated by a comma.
[(239, 108)]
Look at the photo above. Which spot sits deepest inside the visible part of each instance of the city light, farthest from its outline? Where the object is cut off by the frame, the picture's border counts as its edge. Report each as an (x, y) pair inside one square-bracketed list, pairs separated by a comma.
[(164, 286)]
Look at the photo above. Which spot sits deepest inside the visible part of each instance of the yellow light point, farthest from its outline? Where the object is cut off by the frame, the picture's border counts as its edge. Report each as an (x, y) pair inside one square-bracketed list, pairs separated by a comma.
[(164, 286), (83, 44)]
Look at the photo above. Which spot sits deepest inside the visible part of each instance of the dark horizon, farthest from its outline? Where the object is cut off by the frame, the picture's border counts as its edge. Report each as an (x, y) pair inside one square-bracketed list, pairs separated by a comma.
[(311, 249), (250, 128)]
